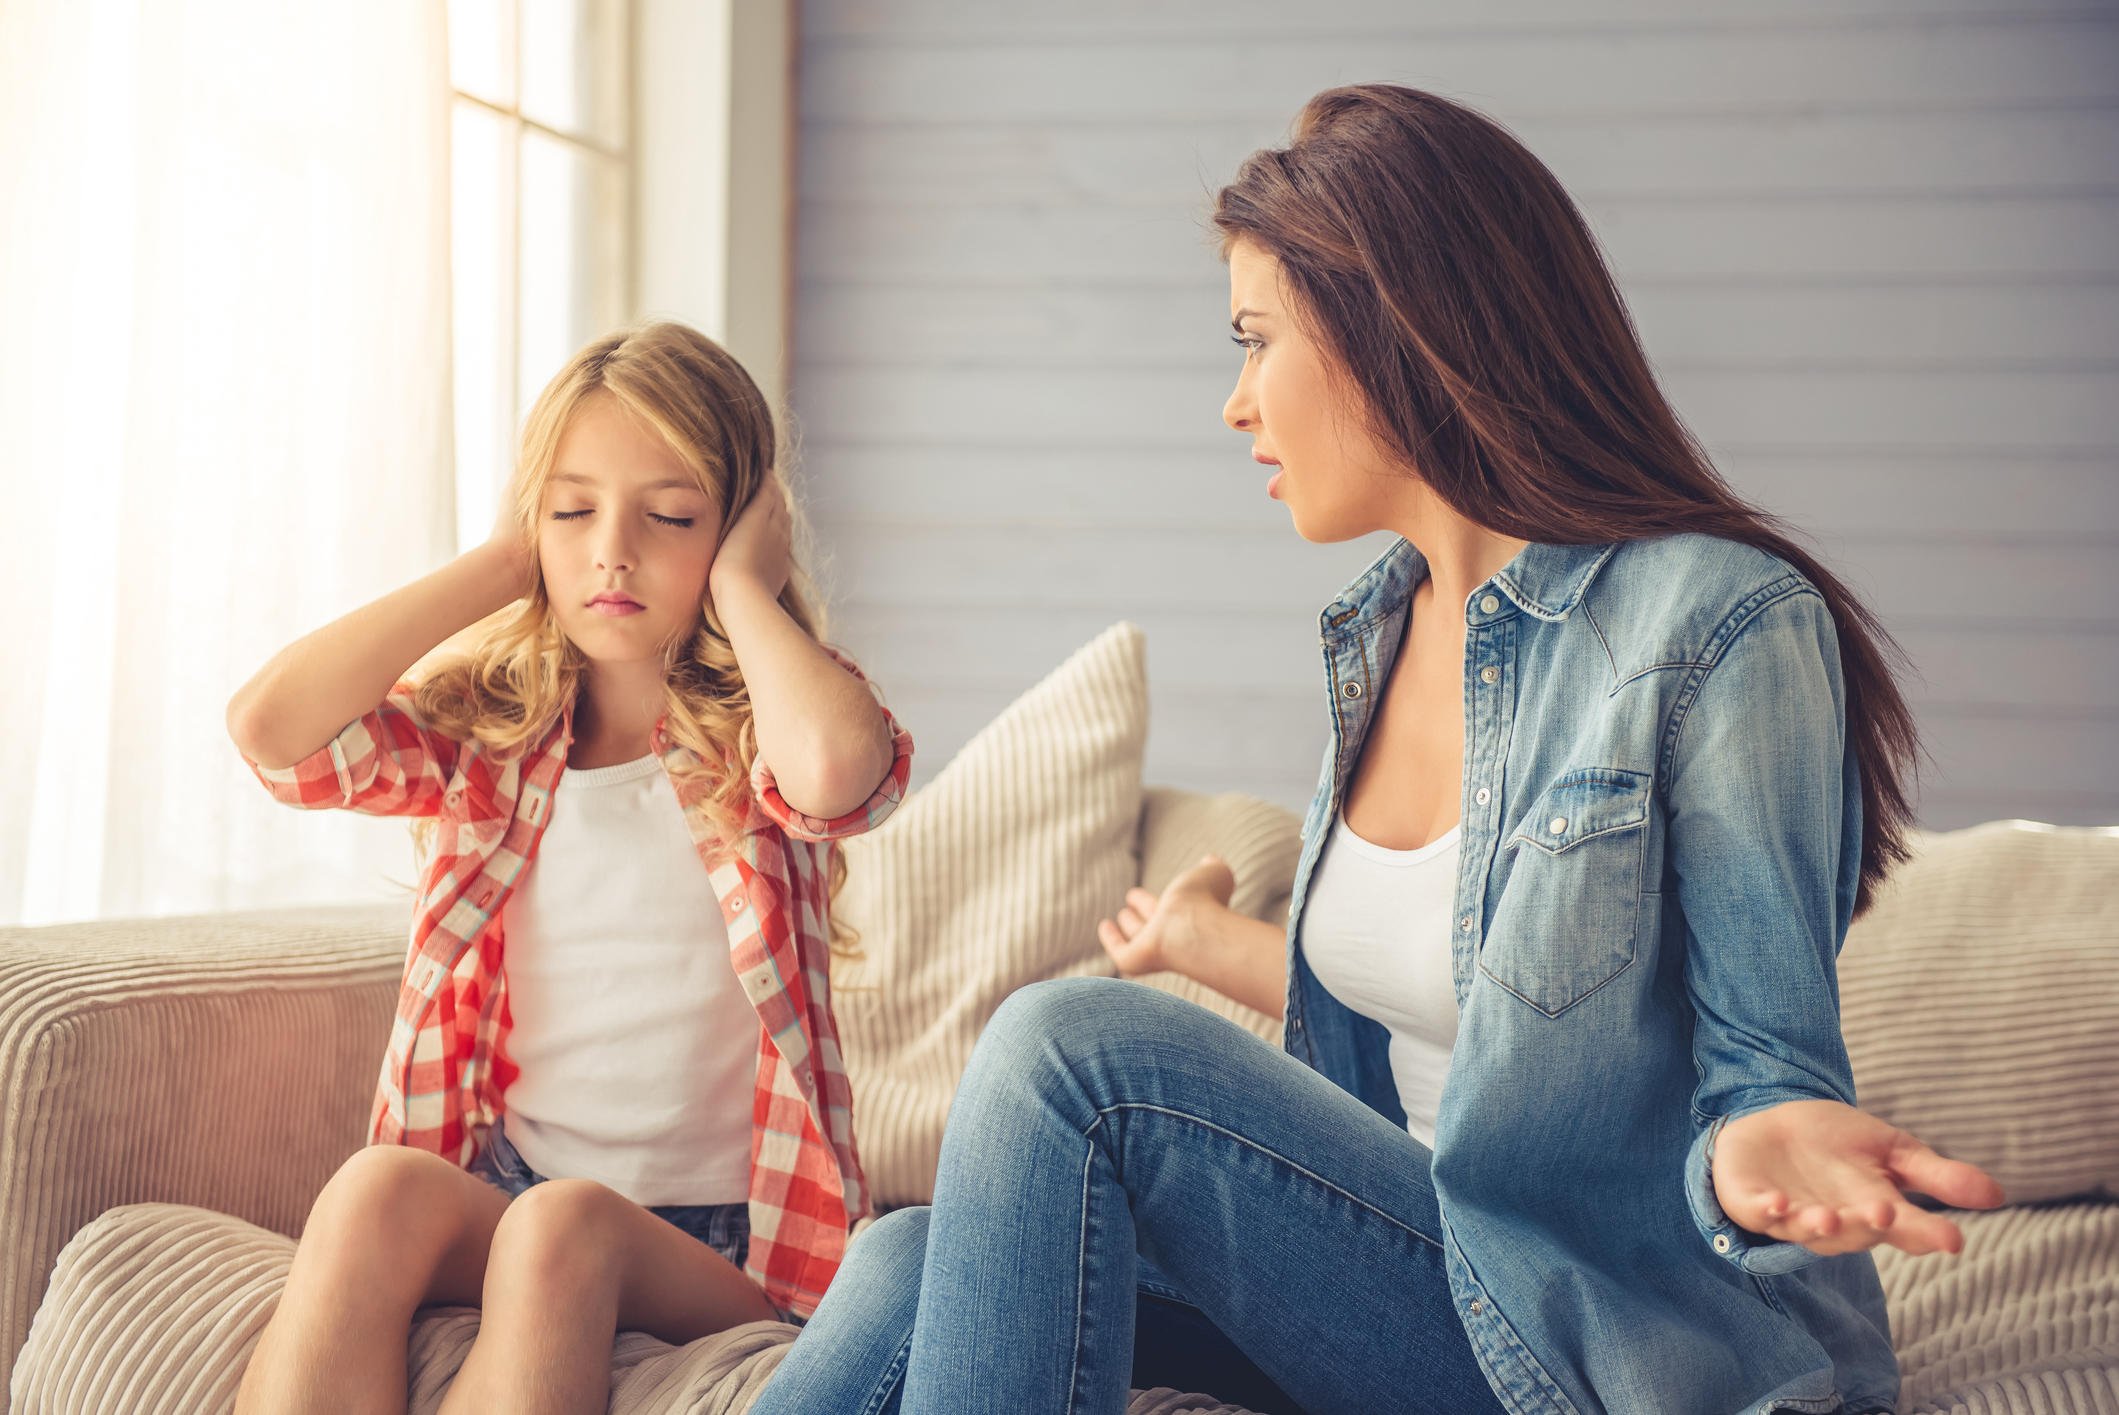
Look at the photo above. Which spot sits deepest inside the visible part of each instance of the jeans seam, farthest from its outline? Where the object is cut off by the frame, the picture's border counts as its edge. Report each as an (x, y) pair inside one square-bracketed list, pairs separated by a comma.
[(1270, 1153), (1081, 1273), (893, 1375)]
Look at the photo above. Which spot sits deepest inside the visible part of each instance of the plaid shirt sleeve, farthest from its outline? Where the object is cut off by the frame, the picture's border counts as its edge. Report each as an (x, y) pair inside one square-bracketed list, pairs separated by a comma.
[(386, 762), (870, 813)]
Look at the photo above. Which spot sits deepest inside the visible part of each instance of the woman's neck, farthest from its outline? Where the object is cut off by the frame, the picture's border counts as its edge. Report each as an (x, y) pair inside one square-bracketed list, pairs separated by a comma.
[(1461, 555)]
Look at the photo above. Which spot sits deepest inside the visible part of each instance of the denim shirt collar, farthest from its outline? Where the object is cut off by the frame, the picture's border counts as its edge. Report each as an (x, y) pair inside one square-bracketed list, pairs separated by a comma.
[(1544, 580)]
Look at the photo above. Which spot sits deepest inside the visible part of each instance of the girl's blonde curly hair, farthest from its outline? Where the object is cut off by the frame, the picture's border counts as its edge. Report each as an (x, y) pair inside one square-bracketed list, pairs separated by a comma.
[(509, 690)]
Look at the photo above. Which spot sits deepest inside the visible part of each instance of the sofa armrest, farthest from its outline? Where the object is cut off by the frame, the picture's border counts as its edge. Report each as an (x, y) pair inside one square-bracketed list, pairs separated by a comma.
[(222, 1060)]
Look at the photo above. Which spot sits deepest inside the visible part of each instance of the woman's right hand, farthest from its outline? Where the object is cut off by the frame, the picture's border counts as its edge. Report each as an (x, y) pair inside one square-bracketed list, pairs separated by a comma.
[(1168, 932)]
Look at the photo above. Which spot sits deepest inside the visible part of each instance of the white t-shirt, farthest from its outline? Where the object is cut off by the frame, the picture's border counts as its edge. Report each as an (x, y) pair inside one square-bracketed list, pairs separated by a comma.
[(1376, 932), (638, 1048)]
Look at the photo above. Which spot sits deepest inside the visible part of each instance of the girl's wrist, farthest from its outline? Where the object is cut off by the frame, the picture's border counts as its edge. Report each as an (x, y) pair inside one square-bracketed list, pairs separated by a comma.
[(739, 594), (505, 570)]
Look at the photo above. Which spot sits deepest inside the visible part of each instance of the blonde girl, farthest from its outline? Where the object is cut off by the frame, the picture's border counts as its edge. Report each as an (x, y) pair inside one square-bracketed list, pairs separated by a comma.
[(612, 1095)]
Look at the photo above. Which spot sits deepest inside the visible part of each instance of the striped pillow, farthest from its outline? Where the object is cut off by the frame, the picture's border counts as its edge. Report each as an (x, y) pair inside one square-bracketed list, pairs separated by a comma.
[(1980, 1001), (990, 877)]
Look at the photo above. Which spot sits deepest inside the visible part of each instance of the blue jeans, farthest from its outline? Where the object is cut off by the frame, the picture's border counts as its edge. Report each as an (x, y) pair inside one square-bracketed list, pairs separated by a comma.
[(725, 1228), (1134, 1191)]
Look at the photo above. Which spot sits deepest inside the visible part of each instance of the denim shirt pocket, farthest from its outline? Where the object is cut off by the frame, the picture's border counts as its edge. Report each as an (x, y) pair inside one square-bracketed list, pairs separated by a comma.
[(1569, 915)]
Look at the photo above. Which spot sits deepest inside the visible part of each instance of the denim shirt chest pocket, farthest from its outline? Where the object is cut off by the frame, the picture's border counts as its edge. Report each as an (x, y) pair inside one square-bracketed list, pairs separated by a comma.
[(1569, 915)]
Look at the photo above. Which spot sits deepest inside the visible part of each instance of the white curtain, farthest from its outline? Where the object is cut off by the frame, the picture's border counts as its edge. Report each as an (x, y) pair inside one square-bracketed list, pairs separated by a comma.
[(224, 420)]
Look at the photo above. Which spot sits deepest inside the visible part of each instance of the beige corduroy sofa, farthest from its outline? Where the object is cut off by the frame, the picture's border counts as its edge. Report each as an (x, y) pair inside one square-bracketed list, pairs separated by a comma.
[(177, 1090)]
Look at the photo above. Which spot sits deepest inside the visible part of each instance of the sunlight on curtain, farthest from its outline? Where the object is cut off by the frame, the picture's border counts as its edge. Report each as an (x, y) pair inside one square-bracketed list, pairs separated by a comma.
[(224, 420)]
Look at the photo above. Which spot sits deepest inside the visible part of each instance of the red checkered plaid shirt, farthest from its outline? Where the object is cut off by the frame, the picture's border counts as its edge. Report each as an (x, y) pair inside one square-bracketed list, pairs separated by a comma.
[(445, 1075)]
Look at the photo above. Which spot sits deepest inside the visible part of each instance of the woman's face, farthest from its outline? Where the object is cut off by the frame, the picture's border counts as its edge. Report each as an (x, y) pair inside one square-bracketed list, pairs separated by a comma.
[(1301, 411), (624, 536)]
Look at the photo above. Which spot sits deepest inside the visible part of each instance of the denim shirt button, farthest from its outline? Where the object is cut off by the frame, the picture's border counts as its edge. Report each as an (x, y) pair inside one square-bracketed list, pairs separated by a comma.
[(1721, 1242), (1352, 690), (1559, 825), (1489, 604), (1465, 923), (1489, 674), (1484, 796), (1478, 1307)]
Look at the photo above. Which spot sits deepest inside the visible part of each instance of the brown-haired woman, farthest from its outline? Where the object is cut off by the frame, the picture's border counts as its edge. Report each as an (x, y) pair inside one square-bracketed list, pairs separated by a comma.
[(1564, 1122)]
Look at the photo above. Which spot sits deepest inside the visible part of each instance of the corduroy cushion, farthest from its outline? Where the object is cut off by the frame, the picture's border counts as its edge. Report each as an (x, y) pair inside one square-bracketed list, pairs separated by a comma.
[(1980, 1001), (990, 877), (154, 1310)]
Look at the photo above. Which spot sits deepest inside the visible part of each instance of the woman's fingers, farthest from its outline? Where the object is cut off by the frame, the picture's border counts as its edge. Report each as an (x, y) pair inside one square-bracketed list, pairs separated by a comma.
[(1143, 901), (1953, 1182), (1122, 951), (1130, 922)]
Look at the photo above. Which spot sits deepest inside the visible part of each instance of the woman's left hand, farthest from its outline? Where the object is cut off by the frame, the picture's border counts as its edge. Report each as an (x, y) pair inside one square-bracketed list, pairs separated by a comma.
[(1832, 1178), (756, 549)]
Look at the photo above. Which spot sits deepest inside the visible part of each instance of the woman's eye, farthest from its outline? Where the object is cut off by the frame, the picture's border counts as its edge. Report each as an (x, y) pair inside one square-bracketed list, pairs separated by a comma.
[(568, 515), (1246, 342), (670, 520)]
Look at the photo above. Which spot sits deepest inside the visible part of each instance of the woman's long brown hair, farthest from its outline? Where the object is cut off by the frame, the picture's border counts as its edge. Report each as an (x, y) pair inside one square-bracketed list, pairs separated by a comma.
[(1448, 271)]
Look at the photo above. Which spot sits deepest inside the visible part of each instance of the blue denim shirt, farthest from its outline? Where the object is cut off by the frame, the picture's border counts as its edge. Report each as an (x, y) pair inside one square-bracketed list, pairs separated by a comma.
[(1660, 848)]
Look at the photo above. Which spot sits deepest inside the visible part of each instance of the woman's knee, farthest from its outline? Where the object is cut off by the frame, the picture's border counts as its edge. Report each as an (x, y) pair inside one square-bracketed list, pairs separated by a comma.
[(890, 1252), (1060, 1018), (1065, 1027)]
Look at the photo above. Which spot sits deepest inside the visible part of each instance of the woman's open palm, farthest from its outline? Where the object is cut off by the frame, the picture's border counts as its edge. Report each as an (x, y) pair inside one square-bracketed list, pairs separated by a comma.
[(1834, 1179)]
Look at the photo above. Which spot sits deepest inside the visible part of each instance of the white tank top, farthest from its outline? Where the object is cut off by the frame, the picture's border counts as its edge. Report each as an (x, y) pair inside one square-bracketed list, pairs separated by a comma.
[(638, 1048), (1376, 932)]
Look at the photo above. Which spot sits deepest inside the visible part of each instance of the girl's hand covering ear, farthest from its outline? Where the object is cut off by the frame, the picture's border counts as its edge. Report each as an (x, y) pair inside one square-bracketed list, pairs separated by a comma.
[(757, 549)]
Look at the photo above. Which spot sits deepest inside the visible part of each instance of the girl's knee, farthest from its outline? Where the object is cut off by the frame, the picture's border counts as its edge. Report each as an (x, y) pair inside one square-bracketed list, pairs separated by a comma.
[(377, 1184), (560, 1231), (385, 1215)]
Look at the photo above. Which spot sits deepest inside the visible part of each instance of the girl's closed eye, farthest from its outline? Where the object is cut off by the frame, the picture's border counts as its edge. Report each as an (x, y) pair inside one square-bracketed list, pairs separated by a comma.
[(1250, 343), (681, 522)]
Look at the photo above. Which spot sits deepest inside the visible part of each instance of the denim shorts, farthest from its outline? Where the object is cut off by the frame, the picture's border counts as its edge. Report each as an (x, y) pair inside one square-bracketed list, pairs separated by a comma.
[(725, 1228)]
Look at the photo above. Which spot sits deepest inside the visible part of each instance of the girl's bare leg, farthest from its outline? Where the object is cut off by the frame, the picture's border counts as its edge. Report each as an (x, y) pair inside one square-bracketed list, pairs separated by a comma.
[(395, 1228), (571, 1264)]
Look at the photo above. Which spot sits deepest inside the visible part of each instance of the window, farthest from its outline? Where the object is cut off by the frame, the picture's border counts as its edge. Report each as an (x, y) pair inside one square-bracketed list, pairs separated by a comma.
[(541, 200)]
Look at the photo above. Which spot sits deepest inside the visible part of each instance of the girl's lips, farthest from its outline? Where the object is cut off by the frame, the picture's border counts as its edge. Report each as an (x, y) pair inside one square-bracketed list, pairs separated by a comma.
[(615, 608)]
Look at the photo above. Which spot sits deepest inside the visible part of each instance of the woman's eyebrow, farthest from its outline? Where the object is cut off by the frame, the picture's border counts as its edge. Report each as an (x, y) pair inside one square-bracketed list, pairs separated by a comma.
[(1242, 315)]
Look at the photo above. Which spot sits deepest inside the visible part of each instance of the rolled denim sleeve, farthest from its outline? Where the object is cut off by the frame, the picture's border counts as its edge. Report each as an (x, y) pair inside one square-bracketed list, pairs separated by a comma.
[(1765, 844)]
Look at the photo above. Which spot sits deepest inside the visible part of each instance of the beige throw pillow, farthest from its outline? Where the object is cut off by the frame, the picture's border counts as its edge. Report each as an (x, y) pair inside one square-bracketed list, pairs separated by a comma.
[(1980, 1001), (990, 877)]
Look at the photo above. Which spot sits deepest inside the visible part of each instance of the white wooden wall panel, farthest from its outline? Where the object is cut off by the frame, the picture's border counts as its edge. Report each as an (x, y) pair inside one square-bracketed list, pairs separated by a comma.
[(1872, 245)]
